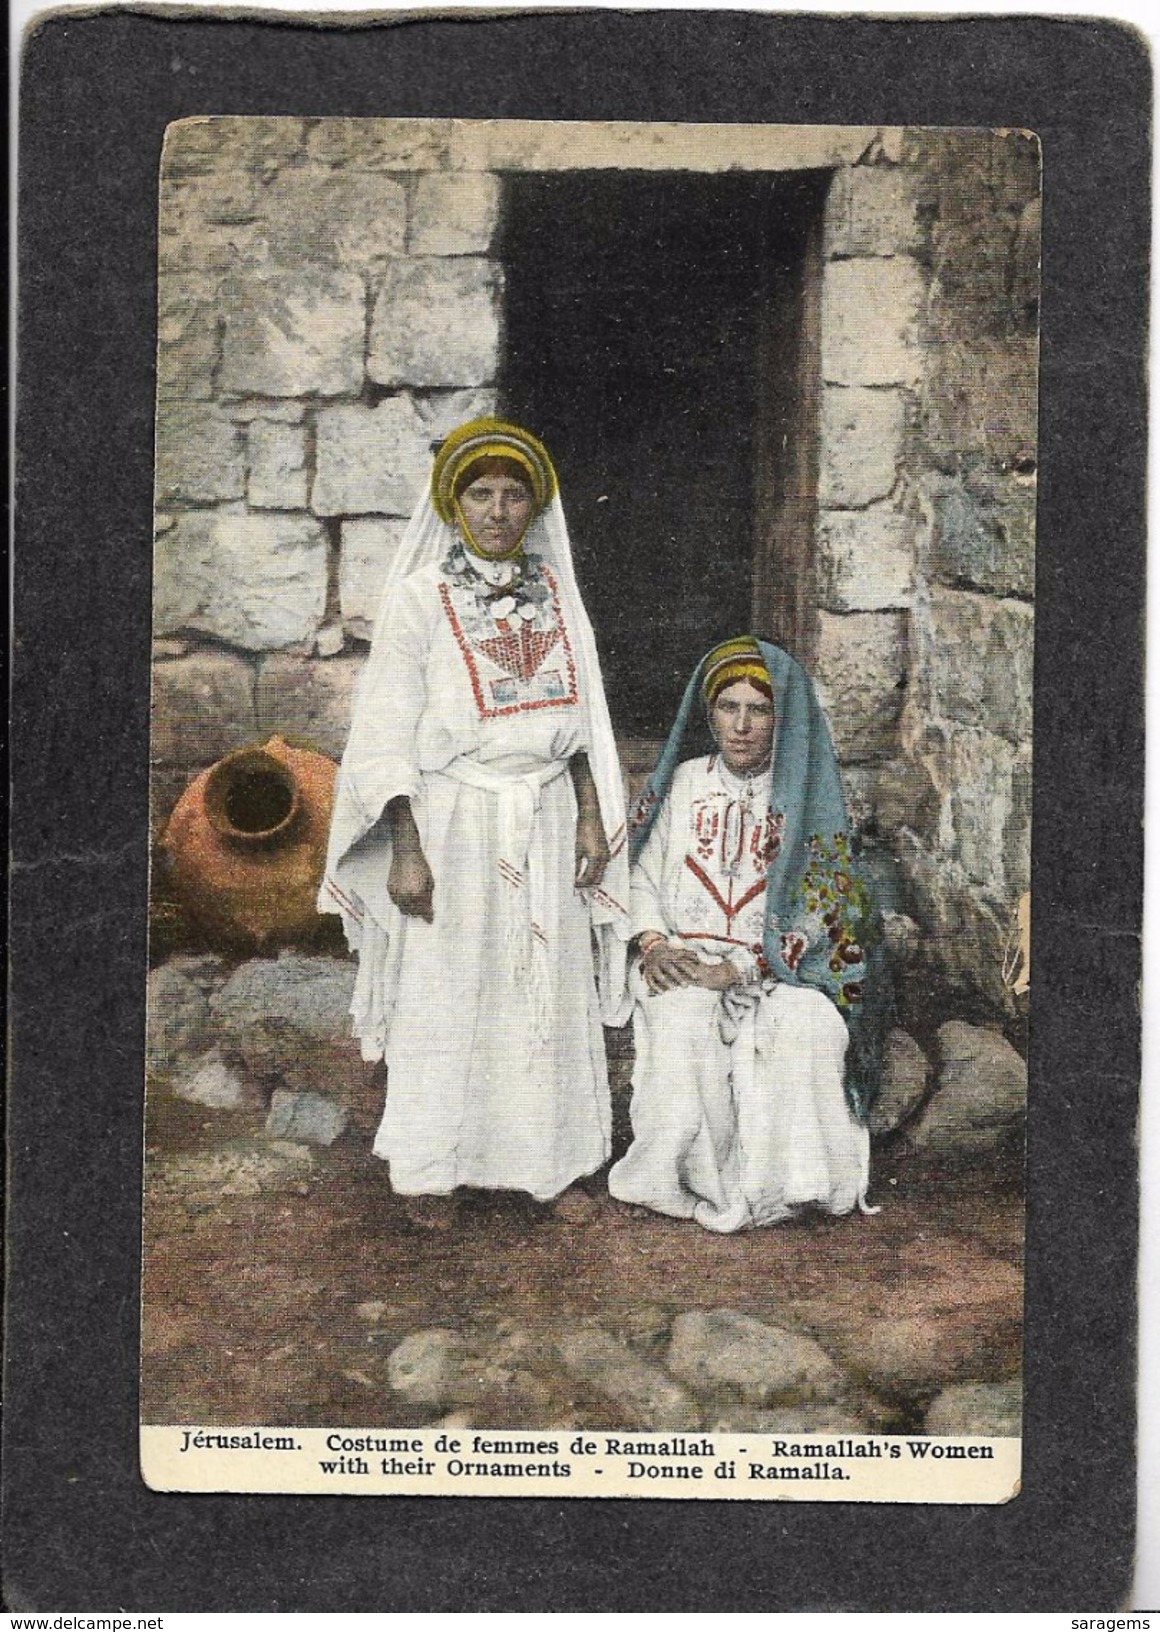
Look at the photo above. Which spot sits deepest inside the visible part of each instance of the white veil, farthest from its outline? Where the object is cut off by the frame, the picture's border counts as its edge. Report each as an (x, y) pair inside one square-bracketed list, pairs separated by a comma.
[(354, 883)]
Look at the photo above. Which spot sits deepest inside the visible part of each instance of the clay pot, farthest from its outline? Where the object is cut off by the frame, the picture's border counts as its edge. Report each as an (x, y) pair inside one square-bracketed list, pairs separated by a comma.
[(246, 844)]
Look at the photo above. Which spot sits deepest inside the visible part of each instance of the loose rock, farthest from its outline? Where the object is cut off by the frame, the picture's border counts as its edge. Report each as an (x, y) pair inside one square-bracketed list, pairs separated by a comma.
[(178, 1017), (905, 1078), (425, 1367), (642, 1392), (981, 1093), (910, 1358), (311, 995), (726, 1355), (994, 1410), (215, 1084), (309, 1116)]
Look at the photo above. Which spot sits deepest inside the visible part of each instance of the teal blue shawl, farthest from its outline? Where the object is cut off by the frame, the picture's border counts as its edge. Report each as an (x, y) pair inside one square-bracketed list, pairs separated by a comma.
[(821, 926)]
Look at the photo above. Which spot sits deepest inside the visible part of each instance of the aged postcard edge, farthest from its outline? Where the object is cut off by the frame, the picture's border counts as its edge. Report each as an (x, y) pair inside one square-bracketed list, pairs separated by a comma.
[(1121, 686)]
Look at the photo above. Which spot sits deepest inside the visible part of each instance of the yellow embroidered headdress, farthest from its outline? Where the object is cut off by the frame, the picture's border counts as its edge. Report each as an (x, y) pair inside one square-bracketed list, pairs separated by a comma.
[(736, 659), (490, 439)]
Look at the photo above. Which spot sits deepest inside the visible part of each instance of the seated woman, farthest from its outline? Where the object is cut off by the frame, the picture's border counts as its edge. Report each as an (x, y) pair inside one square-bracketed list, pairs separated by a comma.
[(749, 921)]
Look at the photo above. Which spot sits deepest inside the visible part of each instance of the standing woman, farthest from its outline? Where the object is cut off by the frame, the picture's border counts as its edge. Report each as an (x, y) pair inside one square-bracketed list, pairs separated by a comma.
[(760, 1002), (477, 848)]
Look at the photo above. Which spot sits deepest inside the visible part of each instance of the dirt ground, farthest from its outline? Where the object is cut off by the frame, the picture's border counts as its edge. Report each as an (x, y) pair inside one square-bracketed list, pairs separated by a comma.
[(282, 1306)]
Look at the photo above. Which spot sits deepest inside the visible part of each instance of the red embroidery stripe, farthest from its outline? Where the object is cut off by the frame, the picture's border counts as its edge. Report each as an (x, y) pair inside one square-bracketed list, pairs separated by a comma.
[(730, 911), (343, 900)]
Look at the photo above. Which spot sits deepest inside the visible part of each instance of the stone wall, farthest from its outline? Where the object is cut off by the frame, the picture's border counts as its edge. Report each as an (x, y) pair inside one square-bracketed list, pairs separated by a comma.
[(926, 526), (331, 303)]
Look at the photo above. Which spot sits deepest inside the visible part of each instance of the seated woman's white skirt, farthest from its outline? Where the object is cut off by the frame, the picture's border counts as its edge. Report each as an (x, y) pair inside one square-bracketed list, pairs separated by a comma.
[(740, 1134)]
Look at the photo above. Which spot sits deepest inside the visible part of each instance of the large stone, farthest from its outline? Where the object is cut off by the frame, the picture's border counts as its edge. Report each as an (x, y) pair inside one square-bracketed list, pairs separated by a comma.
[(221, 198), (257, 581), (442, 411), (230, 143), (425, 1367), (862, 436), (276, 477), (860, 670), (870, 322), (973, 662), (369, 545), (200, 455), (865, 560), (203, 706), (642, 1394), (308, 699), (965, 931), (981, 398), (313, 1117), (370, 460), (211, 1081), (352, 218), (872, 210), (178, 1015), (436, 323), (380, 144), (534, 144), (983, 534), (981, 1094), (905, 1079), (188, 312), (904, 795), (208, 224), (453, 214), (294, 334), (911, 1357), (988, 1410), (982, 825), (724, 1355), (311, 995)]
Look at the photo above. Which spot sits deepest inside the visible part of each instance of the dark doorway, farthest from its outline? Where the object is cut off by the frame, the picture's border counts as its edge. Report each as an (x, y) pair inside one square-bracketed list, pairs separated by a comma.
[(660, 338)]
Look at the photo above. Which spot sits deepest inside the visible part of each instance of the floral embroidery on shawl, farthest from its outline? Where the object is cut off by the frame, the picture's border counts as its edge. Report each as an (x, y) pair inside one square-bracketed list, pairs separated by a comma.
[(836, 899)]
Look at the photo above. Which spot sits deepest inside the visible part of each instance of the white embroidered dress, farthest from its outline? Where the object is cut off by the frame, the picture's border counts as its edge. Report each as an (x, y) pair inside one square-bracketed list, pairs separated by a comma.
[(489, 1017), (738, 1111)]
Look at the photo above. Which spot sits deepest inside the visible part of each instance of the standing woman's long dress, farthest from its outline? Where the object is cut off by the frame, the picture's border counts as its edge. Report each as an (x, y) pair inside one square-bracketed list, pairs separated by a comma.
[(489, 1017)]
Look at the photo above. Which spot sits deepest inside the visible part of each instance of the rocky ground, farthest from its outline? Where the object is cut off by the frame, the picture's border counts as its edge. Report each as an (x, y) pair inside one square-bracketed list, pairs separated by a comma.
[(284, 1285)]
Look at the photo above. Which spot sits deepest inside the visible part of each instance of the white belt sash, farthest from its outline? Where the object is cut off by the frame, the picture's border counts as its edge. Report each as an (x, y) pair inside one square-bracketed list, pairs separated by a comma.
[(517, 796)]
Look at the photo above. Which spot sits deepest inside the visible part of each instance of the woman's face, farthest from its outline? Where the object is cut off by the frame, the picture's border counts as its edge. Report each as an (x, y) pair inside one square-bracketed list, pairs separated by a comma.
[(742, 720), (497, 510)]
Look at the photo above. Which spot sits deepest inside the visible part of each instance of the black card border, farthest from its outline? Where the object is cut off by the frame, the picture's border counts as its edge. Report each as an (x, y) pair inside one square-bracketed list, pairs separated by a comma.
[(81, 1530)]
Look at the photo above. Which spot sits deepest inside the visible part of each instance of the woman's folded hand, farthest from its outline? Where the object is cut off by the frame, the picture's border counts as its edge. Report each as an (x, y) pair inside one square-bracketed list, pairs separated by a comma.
[(665, 967)]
